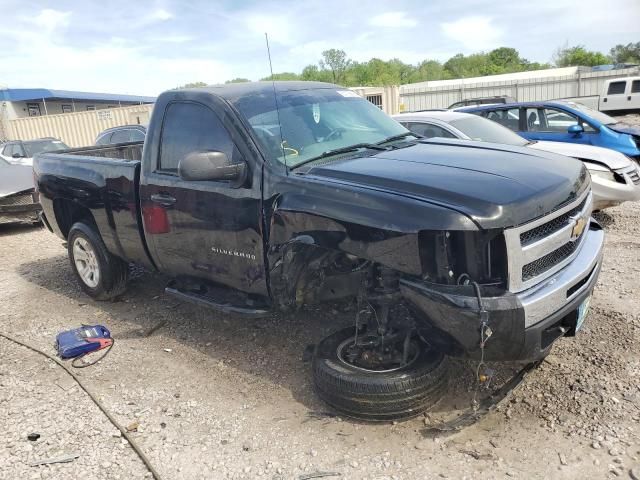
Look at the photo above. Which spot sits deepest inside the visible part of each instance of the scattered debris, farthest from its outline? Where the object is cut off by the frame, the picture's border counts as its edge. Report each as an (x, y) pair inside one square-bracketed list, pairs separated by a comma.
[(168, 350), (309, 476), (477, 455), (156, 327), (313, 415), (563, 459), (49, 461), (133, 426), (144, 410), (33, 436)]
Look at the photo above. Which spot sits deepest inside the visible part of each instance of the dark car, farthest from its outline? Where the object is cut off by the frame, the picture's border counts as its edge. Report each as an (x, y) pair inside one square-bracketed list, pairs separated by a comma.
[(268, 196), (123, 134), (482, 101), (18, 199)]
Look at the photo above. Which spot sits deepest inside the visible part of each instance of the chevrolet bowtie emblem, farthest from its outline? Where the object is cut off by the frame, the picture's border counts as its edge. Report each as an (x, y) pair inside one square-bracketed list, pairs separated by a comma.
[(578, 227)]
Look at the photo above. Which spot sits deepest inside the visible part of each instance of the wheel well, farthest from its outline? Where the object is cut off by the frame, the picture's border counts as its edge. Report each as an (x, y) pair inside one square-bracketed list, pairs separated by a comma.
[(68, 212)]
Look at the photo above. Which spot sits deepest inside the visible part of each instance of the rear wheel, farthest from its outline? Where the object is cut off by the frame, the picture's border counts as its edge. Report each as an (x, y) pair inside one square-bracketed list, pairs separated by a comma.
[(101, 275), (365, 379)]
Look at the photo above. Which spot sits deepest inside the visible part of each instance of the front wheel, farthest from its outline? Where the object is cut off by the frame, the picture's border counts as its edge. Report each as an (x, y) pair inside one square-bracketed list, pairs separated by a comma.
[(101, 275), (378, 383)]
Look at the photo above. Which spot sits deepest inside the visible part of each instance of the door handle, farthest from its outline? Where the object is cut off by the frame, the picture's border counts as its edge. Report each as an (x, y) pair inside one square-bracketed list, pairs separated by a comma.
[(163, 199)]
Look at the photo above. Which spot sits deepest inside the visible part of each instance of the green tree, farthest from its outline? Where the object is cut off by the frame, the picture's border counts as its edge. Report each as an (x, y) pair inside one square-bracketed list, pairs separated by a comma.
[(428, 70), (282, 76), (238, 80), (578, 56), (629, 53), (194, 85), (336, 62), (313, 73)]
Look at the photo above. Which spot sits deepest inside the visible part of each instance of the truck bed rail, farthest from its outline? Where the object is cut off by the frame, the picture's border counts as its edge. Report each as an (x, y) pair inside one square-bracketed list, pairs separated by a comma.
[(120, 151)]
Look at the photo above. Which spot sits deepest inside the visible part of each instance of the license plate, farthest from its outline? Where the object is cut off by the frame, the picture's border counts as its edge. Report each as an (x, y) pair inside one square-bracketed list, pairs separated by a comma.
[(583, 310)]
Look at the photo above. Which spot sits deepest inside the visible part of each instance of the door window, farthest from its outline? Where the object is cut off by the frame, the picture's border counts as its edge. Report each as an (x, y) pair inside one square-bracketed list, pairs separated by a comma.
[(554, 120), (616, 88), (509, 118), (428, 130), (104, 139), (17, 148), (8, 150), (534, 123), (121, 136), (191, 127), (136, 136), (558, 121), (635, 86)]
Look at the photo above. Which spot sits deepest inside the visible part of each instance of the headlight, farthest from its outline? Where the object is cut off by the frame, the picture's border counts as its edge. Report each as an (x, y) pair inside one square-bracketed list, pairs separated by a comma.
[(449, 257), (599, 171)]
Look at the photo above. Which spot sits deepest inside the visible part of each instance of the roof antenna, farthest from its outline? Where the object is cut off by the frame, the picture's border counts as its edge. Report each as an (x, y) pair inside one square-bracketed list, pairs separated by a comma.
[(275, 98)]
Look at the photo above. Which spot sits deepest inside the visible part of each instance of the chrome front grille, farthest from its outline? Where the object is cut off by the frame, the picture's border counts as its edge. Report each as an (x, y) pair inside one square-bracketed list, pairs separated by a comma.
[(549, 227), (538, 249), (542, 264)]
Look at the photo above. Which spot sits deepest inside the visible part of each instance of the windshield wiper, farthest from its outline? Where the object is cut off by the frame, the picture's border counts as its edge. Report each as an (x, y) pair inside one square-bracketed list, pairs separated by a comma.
[(336, 151), (399, 137)]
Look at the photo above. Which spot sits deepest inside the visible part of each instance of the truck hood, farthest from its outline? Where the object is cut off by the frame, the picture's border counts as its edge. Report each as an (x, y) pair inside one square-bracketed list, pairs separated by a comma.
[(15, 179), (605, 156), (497, 186)]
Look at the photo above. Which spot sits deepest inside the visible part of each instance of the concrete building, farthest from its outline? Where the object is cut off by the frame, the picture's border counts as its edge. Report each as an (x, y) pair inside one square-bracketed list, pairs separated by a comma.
[(34, 102)]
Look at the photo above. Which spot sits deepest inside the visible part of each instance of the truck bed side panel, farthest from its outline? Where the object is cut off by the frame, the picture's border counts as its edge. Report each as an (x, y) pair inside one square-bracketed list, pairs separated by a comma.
[(106, 187)]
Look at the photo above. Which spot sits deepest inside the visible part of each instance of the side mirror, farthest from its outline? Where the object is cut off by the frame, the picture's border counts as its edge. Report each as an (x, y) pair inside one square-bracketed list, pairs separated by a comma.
[(211, 165), (17, 155), (576, 129)]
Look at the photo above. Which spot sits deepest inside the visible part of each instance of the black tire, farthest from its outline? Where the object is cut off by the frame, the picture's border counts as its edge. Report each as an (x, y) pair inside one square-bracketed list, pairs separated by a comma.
[(113, 272), (378, 396)]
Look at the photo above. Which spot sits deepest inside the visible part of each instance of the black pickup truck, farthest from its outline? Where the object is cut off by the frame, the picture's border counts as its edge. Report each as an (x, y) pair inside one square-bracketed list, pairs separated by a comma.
[(263, 196)]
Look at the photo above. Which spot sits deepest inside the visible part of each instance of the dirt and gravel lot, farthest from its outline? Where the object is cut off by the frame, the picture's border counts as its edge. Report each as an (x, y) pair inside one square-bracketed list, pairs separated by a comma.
[(216, 397)]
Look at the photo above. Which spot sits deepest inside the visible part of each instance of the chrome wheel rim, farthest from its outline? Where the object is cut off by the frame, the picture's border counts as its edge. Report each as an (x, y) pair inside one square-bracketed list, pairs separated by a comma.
[(341, 353), (84, 257)]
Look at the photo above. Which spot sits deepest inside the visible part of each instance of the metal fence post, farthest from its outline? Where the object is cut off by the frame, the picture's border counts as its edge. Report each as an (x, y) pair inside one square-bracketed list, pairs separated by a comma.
[(579, 79)]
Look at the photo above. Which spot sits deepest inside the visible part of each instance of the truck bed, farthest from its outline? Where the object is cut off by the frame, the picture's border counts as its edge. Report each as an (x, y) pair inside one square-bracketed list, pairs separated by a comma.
[(102, 180)]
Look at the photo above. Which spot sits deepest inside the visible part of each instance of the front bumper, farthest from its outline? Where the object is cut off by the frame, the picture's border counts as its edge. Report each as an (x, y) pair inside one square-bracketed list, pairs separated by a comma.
[(607, 193), (525, 324)]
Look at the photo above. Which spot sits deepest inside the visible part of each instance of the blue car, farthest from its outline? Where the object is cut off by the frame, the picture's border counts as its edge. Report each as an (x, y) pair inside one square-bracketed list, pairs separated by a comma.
[(562, 121)]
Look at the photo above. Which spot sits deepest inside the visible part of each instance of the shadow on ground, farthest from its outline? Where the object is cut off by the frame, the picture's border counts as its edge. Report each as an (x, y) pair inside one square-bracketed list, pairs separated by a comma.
[(270, 348), (17, 228)]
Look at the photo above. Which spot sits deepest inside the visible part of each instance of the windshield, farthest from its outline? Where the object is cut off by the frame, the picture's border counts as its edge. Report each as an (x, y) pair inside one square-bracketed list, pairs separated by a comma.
[(595, 114), (483, 130), (309, 123), (31, 148)]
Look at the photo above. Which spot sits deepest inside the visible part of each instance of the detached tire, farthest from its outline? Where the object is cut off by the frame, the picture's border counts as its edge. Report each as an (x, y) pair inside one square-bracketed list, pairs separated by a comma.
[(101, 275), (398, 394)]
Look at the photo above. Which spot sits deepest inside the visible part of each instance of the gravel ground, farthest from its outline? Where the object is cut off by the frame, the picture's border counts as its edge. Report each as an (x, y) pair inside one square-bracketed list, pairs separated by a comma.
[(214, 396)]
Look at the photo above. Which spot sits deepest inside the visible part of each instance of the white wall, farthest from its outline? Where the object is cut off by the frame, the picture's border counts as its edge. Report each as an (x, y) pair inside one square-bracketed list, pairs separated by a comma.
[(54, 107), (77, 129), (524, 89)]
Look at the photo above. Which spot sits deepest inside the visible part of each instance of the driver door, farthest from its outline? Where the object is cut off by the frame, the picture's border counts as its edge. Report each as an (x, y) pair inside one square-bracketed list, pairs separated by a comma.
[(204, 229)]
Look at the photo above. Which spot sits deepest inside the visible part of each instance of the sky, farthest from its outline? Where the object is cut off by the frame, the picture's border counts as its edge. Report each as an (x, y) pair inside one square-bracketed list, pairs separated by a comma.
[(145, 47)]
